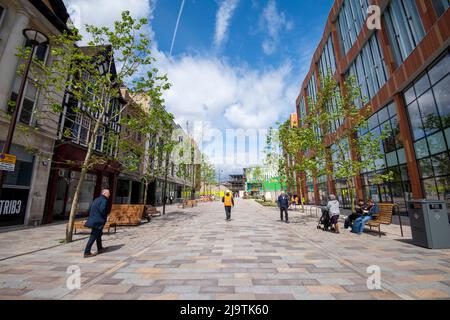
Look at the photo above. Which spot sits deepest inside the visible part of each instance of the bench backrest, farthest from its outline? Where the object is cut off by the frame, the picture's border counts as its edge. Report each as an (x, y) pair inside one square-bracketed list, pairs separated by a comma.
[(127, 210), (385, 214)]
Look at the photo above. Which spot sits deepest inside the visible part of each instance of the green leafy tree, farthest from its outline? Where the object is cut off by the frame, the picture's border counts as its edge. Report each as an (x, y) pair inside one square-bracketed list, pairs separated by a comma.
[(351, 153), (93, 77)]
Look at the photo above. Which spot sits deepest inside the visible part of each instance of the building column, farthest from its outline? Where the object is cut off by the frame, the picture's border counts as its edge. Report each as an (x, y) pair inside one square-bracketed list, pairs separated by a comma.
[(316, 192), (9, 60), (51, 195), (358, 179), (98, 184)]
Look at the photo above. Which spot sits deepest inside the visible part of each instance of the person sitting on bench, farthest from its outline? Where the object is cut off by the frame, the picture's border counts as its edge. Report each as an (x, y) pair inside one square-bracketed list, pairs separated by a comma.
[(368, 214), (359, 211)]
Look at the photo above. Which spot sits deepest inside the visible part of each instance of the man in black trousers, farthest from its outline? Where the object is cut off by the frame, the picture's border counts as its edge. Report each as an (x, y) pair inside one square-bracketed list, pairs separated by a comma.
[(98, 214), (283, 204)]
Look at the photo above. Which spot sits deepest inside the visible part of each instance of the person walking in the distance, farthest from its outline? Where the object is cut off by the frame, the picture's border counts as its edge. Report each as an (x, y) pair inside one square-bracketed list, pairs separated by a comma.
[(228, 202), (98, 214), (283, 204)]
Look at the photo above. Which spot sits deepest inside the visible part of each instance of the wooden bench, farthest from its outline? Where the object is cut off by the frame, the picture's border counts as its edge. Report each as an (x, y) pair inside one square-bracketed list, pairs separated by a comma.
[(126, 215), (188, 203), (384, 216), (151, 211), (80, 225)]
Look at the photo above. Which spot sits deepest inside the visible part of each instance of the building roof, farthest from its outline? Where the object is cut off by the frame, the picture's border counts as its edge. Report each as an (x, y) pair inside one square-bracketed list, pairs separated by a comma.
[(55, 11)]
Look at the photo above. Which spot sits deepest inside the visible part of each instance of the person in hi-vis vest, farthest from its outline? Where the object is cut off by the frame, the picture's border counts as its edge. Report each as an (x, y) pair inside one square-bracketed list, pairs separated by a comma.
[(228, 202)]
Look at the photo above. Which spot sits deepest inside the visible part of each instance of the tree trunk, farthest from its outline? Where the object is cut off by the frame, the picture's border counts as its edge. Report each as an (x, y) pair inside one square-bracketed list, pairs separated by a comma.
[(350, 191), (301, 197), (84, 171), (166, 173)]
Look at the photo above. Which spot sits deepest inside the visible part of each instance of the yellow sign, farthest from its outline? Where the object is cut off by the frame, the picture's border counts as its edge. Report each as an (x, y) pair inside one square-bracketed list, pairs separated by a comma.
[(7, 162), (294, 120)]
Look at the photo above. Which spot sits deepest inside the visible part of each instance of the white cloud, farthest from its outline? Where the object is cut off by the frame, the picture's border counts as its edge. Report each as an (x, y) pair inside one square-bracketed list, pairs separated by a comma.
[(205, 87), (105, 12), (223, 17), (273, 23), (229, 96)]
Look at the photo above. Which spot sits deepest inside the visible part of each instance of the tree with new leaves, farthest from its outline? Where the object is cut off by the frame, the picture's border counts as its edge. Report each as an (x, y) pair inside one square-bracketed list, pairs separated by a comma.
[(300, 152), (160, 145), (92, 78), (207, 175), (351, 153)]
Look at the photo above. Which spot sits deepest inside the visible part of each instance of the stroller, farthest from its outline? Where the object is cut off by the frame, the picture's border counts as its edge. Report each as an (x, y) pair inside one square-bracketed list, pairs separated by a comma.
[(324, 221)]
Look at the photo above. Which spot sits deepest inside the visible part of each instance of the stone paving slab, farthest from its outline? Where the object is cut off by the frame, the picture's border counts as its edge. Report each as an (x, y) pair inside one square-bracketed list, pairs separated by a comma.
[(194, 254)]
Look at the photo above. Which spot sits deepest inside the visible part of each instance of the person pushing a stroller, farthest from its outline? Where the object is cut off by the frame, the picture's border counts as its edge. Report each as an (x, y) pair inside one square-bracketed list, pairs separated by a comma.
[(330, 215)]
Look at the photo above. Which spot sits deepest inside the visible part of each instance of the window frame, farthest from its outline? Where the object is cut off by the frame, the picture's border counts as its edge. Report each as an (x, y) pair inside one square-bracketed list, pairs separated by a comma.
[(20, 104)]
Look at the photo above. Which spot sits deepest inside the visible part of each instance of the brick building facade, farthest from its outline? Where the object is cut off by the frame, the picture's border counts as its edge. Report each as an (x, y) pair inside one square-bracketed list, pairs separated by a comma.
[(403, 70)]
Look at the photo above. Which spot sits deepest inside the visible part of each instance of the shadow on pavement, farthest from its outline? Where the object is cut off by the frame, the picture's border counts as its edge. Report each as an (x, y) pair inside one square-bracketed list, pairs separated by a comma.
[(114, 248)]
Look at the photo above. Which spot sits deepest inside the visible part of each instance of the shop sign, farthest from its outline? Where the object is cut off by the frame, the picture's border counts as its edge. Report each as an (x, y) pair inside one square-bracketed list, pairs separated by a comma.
[(13, 204), (7, 162)]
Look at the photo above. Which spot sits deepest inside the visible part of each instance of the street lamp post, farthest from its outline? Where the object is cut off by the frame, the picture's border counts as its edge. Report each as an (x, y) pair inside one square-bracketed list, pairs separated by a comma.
[(36, 39)]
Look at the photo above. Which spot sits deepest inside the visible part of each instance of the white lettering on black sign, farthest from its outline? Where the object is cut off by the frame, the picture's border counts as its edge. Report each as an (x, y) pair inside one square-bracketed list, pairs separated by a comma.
[(10, 207)]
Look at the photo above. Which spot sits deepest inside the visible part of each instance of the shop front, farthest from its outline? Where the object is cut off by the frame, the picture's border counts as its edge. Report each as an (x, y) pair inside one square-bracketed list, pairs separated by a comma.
[(129, 190), (16, 189), (64, 179)]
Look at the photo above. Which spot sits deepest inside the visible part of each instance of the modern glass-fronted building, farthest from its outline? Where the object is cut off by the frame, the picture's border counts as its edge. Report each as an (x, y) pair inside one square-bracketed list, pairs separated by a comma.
[(403, 69)]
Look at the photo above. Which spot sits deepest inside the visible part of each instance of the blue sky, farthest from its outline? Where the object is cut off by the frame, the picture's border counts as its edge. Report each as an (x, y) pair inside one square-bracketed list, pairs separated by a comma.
[(236, 64), (246, 33)]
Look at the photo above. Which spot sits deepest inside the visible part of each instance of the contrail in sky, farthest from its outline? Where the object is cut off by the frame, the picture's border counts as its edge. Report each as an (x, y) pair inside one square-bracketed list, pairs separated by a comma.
[(176, 26)]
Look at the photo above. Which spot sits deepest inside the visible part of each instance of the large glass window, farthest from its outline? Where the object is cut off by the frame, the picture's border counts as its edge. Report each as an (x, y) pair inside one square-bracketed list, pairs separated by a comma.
[(399, 189), (405, 28), (333, 108), (350, 20), (302, 108), (369, 70), (441, 6), (322, 186), (312, 89), (428, 106), (327, 60)]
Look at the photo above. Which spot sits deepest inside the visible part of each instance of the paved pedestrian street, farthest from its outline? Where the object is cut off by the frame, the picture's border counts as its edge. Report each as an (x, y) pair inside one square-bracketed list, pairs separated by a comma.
[(195, 254)]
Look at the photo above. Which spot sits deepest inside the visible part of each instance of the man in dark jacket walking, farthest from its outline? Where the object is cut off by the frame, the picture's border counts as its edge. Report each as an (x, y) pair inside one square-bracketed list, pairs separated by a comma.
[(98, 214), (283, 204)]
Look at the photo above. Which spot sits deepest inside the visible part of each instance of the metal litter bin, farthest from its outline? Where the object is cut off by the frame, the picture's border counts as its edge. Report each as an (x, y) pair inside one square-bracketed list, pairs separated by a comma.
[(430, 226)]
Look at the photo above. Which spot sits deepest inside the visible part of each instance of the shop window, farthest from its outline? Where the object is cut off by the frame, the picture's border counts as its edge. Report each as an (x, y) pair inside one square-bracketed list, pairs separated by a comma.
[(440, 69), (436, 143), (442, 94), (432, 137), (429, 113), (421, 149), (28, 102)]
